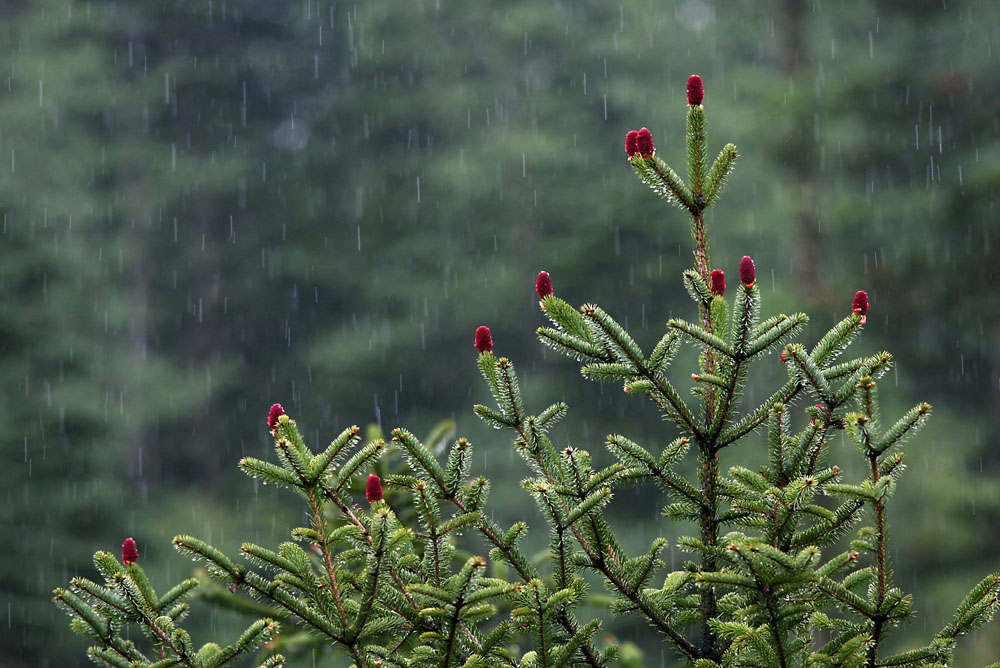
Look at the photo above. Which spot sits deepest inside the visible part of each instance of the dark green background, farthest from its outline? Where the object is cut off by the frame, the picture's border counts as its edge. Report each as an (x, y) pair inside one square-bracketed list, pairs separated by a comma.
[(209, 207)]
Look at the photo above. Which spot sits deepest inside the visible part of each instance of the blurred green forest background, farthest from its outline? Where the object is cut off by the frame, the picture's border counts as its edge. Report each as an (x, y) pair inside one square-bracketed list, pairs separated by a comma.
[(212, 206)]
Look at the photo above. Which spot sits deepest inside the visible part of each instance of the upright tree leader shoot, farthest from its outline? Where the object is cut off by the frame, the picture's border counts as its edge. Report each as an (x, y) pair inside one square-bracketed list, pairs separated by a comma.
[(759, 591)]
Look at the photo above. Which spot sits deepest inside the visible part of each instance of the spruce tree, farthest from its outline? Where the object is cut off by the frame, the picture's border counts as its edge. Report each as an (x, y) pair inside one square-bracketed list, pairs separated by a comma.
[(790, 566)]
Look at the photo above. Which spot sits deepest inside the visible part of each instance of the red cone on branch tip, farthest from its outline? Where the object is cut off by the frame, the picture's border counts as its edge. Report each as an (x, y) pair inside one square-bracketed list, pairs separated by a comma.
[(543, 285), (272, 415), (748, 273), (130, 553), (645, 143), (718, 282), (696, 90), (860, 304), (373, 489), (484, 340), (821, 408), (632, 142)]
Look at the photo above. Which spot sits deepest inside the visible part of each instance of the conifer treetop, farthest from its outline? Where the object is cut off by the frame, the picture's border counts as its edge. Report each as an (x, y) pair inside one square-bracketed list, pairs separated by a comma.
[(768, 583)]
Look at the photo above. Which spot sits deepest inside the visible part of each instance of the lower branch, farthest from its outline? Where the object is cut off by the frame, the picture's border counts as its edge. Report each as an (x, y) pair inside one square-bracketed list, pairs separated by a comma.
[(772, 614), (564, 619), (709, 474), (320, 523), (682, 643)]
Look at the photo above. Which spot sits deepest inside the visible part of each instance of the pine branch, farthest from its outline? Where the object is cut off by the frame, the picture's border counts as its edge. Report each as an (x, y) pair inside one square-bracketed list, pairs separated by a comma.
[(422, 461), (505, 548), (837, 339), (663, 180), (776, 330), (576, 347), (904, 428), (319, 464), (697, 288), (976, 609), (343, 475), (457, 468), (719, 173), (752, 420), (374, 569), (846, 598), (618, 342), (402, 591), (808, 371), (596, 556), (566, 318), (99, 627), (778, 425), (844, 517), (277, 475), (319, 525), (696, 333), (696, 151), (746, 310), (666, 398)]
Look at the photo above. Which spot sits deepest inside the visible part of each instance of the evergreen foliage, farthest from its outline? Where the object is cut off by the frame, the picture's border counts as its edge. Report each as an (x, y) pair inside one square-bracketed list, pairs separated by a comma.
[(131, 355), (769, 583)]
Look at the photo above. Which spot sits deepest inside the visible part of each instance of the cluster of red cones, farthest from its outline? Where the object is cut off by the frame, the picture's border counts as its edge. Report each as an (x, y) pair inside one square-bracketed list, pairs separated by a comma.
[(748, 277)]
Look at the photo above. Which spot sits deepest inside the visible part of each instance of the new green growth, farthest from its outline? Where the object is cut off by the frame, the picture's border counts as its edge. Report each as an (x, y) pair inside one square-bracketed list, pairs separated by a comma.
[(790, 566)]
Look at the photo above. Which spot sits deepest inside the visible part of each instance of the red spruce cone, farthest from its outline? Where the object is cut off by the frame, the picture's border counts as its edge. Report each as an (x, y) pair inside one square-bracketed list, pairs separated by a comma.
[(696, 90), (632, 143), (822, 408), (373, 489), (718, 282), (130, 553), (543, 285), (645, 143), (860, 304), (748, 273), (484, 340), (272, 415)]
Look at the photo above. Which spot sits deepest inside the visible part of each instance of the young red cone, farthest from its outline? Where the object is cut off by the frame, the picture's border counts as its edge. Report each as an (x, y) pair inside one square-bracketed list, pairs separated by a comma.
[(130, 553), (632, 143), (748, 273), (645, 143), (273, 415), (543, 285), (860, 304), (822, 408), (696, 90), (718, 282), (484, 340), (373, 489)]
